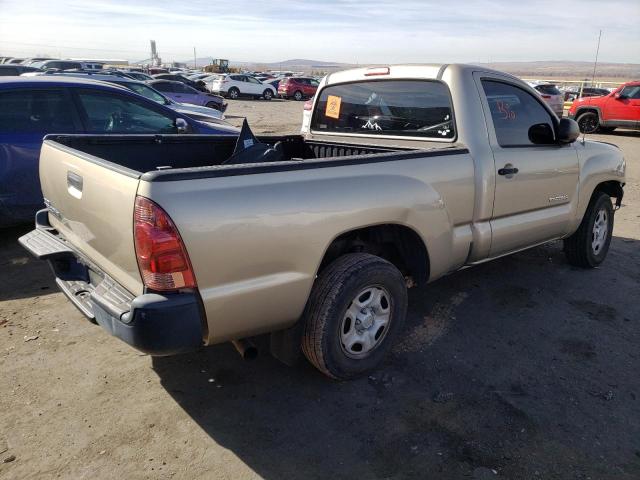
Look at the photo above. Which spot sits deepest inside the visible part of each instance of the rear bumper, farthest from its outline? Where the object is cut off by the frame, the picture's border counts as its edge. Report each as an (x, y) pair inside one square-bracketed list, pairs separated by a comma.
[(154, 323)]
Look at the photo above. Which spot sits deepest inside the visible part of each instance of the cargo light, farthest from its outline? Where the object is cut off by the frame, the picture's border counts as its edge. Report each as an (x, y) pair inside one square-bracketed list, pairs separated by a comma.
[(162, 257), (377, 71)]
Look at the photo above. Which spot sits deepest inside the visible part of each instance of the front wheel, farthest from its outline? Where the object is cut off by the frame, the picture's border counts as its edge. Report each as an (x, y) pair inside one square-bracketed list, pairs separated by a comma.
[(356, 308), (588, 246), (588, 122)]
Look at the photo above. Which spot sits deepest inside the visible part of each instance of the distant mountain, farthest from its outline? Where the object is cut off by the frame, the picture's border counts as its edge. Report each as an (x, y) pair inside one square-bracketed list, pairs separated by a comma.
[(541, 69)]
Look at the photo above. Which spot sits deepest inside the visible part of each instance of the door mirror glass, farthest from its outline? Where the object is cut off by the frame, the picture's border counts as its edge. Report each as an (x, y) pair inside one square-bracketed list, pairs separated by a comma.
[(181, 125), (568, 131), (541, 134), (619, 96)]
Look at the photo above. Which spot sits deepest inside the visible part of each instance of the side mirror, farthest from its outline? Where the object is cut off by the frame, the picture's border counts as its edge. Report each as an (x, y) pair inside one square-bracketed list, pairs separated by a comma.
[(181, 125), (619, 96), (541, 134), (568, 131)]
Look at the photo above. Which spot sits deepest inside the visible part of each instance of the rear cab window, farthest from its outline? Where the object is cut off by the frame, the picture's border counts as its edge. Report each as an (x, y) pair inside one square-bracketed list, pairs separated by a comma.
[(407, 108)]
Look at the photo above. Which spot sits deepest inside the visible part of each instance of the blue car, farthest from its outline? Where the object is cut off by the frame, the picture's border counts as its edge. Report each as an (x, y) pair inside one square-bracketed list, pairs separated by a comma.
[(32, 107)]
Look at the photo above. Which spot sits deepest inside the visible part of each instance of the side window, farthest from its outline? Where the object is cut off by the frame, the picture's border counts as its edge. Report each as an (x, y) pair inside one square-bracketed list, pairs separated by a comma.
[(10, 71), (163, 87), (236, 78), (113, 113), (514, 111), (35, 111), (252, 80), (631, 91)]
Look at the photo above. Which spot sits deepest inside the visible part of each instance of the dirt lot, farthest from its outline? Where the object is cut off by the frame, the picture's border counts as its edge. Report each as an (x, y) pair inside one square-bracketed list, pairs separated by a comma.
[(525, 366)]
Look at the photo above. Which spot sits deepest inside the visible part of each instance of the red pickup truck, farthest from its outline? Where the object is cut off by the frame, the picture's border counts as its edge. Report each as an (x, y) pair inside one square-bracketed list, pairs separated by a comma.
[(621, 108)]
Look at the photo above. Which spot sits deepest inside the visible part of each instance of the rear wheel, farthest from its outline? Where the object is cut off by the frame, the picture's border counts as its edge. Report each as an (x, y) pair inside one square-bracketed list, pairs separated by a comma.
[(588, 246), (298, 95), (267, 94), (233, 93), (356, 308), (588, 122)]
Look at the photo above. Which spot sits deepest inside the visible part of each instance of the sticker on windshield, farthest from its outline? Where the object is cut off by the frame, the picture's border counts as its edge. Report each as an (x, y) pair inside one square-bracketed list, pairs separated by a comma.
[(333, 107)]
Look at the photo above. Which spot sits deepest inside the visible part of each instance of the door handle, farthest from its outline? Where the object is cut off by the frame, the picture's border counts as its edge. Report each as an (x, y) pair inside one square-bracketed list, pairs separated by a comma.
[(507, 170)]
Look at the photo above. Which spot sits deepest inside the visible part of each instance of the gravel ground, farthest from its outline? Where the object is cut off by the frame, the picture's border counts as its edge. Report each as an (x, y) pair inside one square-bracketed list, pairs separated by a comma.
[(522, 368)]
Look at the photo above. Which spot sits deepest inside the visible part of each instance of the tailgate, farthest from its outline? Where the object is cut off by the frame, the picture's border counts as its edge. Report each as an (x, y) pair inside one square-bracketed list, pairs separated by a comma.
[(91, 204)]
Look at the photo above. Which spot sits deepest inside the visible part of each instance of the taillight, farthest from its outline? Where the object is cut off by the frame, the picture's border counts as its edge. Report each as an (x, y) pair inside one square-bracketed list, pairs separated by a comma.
[(308, 105), (162, 257), (546, 96)]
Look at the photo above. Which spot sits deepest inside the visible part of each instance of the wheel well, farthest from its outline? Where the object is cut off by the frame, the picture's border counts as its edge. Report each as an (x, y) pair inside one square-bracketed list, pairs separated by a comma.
[(397, 244), (587, 109), (611, 188)]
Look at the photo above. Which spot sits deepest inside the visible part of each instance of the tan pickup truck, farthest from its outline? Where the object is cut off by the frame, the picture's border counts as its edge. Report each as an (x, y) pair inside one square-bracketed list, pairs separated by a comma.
[(407, 173)]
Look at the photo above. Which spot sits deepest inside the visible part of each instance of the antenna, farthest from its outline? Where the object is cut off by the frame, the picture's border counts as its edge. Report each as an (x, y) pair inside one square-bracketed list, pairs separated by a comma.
[(595, 64)]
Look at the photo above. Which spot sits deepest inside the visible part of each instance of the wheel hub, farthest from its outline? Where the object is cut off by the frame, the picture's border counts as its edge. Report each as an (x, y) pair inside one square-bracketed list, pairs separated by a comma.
[(365, 319), (365, 322)]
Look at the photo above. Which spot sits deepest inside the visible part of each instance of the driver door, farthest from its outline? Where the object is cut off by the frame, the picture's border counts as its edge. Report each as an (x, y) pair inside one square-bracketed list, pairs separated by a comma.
[(536, 184), (625, 110)]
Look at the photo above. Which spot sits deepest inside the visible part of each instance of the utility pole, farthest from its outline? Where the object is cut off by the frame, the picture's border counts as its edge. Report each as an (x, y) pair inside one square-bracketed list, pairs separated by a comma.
[(194, 58), (595, 64)]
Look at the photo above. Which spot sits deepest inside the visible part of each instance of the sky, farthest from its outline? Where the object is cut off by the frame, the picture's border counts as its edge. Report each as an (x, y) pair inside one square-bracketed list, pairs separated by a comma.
[(348, 31)]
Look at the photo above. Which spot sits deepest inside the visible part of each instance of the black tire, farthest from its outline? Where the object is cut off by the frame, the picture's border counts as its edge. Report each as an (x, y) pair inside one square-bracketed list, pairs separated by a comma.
[(267, 94), (588, 122), (233, 93), (333, 293), (579, 247), (298, 95)]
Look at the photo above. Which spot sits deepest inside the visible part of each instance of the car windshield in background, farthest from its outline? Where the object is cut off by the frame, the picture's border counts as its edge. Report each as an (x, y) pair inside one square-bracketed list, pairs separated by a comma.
[(386, 107), (145, 91), (548, 89)]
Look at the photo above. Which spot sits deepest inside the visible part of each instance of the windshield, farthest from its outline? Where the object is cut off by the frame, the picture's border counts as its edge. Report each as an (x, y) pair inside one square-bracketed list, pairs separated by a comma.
[(147, 92), (386, 107), (548, 89)]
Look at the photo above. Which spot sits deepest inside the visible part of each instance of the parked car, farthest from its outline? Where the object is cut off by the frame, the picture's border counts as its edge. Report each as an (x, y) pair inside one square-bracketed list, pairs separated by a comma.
[(571, 93), (297, 88), (197, 85), (156, 70), (15, 61), (29, 61), (15, 70), (550, 94), (235, 86), (620, 108), (274, 82), (143, 77), (181, 93), (315, 239), (205, 114), (58, 65), (32, 107)]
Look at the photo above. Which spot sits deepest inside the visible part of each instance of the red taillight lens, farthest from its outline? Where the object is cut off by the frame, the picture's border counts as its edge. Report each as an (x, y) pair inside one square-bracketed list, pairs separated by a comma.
[(546, 96), (162, 258), (308, 105)]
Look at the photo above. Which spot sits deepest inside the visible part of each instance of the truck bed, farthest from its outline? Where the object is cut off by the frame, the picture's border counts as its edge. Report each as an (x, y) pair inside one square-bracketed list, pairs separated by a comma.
[(140, 154)]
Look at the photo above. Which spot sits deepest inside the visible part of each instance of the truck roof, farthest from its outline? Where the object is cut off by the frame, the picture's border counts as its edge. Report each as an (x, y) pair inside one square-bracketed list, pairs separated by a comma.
[(425, 70)]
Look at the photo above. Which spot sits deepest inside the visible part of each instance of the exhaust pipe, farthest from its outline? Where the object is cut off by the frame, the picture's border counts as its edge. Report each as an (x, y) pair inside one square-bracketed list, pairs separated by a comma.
[(246, 349)]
